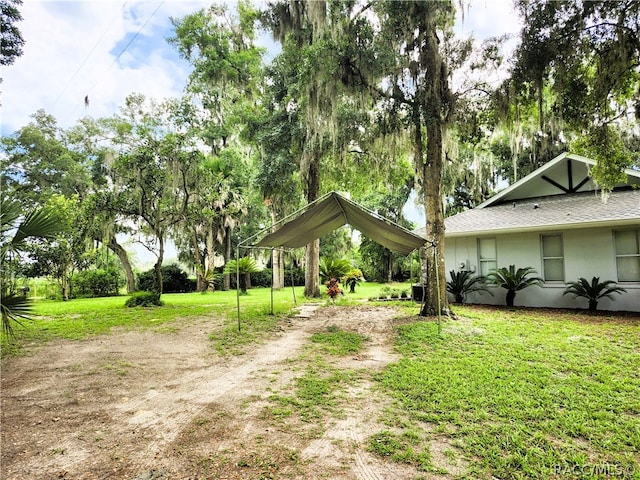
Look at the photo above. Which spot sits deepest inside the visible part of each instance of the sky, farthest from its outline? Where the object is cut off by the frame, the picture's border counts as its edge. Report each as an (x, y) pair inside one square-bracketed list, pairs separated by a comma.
[(108, 49)]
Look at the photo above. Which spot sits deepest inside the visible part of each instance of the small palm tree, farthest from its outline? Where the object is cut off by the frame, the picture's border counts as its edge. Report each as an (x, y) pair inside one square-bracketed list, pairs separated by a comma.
[(514, 280), (593, 291), (244, 266), (333, 268), (463, 283), (352, 278), (15, 229)]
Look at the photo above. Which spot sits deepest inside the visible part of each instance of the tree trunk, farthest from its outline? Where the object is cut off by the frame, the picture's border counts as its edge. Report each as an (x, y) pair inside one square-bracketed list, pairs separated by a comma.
[(211, 250), (593, 305), (201, 283), (226, 286), (277, 259), (434, 105), (511, 296), (116, 248), (277, 264), (312, 255), (158, 265)]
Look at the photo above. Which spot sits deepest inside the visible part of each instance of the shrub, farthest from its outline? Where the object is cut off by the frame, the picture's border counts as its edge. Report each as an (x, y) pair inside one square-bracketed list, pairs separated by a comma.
[(333, 268), (144, 299), (351, 279), (513, 280), (98, 283), (174, 280), (593, 291), (463, 283)]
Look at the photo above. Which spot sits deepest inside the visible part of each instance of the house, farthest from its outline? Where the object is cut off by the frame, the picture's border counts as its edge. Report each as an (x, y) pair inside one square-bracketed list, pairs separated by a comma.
[(556, 221)]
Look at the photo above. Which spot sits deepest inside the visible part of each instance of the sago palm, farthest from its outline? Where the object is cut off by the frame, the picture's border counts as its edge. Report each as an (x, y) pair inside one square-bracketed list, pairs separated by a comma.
[(244, 266), (465, 282), (593, 291), (15, 230), (333, 268), (514, 280)]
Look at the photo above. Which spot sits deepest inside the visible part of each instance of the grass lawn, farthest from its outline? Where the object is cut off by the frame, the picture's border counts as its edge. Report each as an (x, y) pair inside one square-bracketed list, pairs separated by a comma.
[(519, 393)]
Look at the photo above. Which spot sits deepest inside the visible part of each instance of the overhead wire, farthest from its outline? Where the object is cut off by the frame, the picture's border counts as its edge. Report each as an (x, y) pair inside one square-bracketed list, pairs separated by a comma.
[(104, 32), (89, 90)]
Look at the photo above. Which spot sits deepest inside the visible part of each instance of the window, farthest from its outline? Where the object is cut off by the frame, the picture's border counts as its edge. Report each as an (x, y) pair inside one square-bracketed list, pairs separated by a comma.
[(628, 255), (487, 255), (552, 258)]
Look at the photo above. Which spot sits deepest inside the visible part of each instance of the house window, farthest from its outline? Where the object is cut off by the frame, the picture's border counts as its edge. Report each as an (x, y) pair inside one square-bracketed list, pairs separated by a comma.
[(628, 255), (487, 255), (552, 258)]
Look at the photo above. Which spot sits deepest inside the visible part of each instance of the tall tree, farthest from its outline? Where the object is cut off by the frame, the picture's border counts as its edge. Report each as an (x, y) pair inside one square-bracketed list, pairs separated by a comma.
[(11, 40), (223, 87), (587, 55)]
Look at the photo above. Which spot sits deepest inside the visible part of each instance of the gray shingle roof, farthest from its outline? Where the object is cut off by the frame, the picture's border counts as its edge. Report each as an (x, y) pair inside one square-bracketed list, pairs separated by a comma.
[(579, 210)]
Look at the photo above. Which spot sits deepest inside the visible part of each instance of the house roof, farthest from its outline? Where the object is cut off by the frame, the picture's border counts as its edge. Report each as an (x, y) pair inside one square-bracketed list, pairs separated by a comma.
[(565, 174), (579, 210), (558, 195), (332, 211)]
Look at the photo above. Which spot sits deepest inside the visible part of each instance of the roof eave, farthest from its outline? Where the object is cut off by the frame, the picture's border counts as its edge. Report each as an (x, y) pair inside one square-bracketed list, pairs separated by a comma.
[(545, 228)]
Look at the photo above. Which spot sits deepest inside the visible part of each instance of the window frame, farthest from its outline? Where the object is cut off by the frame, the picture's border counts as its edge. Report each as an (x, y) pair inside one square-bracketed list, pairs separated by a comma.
[(487, 260), (544, 258), (626, 255)]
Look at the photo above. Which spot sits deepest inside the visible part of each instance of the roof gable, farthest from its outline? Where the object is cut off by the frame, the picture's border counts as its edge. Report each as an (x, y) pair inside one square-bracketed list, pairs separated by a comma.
[(566, 174)]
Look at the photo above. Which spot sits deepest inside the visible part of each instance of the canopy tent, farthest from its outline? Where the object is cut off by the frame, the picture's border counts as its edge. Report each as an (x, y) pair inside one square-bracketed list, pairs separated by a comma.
[(322, 216), (332, 211)]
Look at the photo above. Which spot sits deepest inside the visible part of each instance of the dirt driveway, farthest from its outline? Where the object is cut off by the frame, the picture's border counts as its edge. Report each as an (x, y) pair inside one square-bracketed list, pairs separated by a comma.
[(163, 405)]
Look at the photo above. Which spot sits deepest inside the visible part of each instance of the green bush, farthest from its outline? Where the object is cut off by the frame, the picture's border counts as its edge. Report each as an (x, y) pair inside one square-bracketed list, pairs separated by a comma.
[(98, 283), (174, 280), (144, 299)]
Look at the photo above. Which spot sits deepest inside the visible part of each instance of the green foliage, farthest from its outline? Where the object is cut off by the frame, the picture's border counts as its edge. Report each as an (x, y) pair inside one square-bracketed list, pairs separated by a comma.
[(463, 283), (513, 280), (98, 283), (15, 230), (604, 145), (174, 280), (593, 291), (333, 268), (144, 299), (352, 278), (244, 267), (12, 40), (407, 447)]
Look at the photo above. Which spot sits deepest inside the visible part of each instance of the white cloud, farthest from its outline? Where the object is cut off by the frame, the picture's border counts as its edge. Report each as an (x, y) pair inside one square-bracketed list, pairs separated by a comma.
[(71, 49)]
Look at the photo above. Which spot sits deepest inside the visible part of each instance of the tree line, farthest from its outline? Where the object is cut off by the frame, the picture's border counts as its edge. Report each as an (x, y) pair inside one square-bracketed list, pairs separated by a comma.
[(372, 98)]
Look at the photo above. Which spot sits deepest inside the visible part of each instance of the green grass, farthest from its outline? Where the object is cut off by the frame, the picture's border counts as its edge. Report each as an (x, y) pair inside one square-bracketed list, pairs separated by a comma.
[(524, 394), (339, 342)]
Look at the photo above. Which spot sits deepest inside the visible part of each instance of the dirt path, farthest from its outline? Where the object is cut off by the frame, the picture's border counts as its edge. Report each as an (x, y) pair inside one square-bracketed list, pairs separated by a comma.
[(161, 404)]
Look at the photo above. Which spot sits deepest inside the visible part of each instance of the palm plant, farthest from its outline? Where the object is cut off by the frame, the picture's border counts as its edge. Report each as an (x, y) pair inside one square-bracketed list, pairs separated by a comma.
[(352, 278), (514, 280), (244, 266), (15, 230), (333, 268), (593, 291), (465, 282)]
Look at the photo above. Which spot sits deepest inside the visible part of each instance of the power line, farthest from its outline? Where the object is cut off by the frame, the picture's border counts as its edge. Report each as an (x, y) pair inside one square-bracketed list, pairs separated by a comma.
[(88, 55)]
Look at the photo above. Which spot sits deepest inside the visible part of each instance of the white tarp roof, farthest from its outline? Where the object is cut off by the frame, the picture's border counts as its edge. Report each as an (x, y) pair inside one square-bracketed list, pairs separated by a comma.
[(331, 212)]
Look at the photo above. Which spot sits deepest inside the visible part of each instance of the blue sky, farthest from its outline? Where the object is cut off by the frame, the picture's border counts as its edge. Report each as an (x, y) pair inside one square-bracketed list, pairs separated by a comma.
[(107, 49)]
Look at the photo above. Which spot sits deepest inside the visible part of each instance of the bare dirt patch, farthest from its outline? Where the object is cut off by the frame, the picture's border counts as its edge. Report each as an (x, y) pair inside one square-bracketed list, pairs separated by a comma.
[(149, 405)]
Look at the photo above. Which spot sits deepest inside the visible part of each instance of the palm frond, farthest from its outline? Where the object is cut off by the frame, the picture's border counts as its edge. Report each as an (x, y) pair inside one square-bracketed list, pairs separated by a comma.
[(14, 307)]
